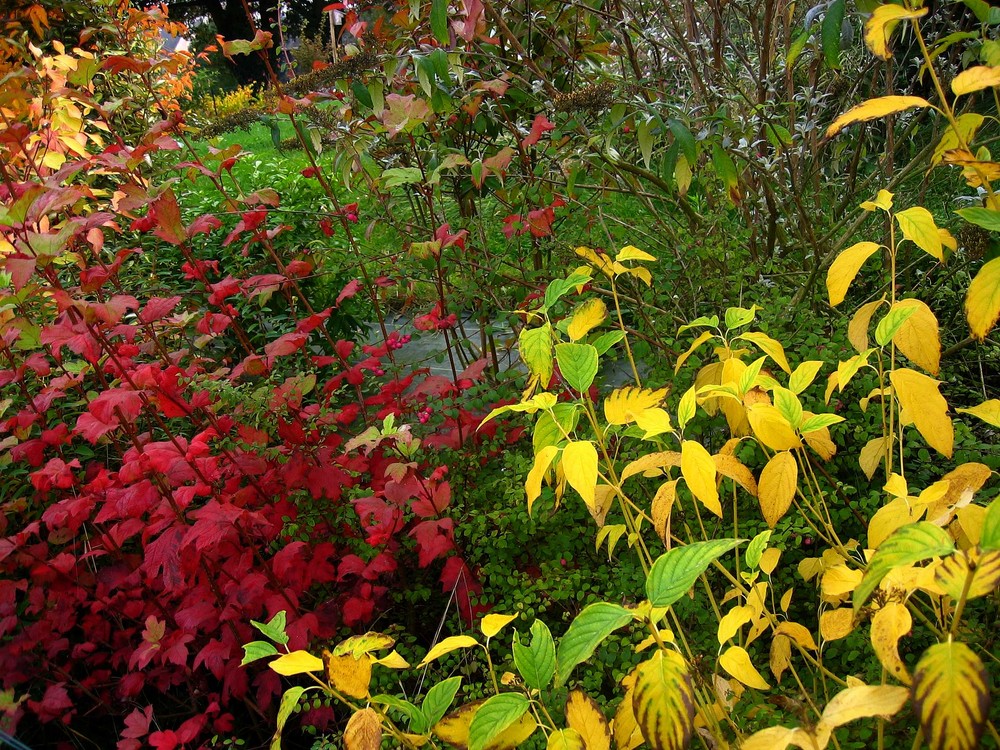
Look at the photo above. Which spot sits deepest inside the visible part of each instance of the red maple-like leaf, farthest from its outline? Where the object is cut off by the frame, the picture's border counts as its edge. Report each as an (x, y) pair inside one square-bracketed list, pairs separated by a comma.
[(538, 127)]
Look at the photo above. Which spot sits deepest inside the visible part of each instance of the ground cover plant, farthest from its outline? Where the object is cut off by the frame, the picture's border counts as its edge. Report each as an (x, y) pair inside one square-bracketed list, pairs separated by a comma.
[(229, 509)]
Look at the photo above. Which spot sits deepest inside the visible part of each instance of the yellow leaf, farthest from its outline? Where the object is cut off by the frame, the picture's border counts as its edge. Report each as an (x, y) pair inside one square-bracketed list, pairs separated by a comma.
[(881, 24), (533, 484), (951, 696), (736, 661), (584, 715), (297, 662), (845, 268), (780, 657), (770, 347), (651, 462), (630, 252), (918, 227), (454, 728), (624, 405), (777, 486), (968, 124), (771, 428), (494, 623), (683, 175), (702, 338), (919, 397), (601, 262), (625, 729), (982, 302), (586, 317), (963, 482), (779, 738), (859, 702), (975, 79), (786, 600), (663, 503), (875, 108), (664, 701), (698, 470), (883, 200), (890, 517), (730, 467), (889, 624), (835, 624), (988, 411), (732, 621), (348, 675), (653, 422), (872, 454), (579, 464), (604, 495), (452, 643), (393, 660), (363, 731), (917, 337), (769, 560), (565, 739), (820, 441), (798, 633), (857, 329), (840, 580)]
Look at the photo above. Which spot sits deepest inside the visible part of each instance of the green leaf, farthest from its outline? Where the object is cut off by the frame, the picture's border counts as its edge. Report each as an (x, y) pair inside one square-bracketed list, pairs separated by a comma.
[(833, 23), (704, 320), (990, 537), (536, 661), (578, 364), (685, 139), (558, 287), (438, 699), (288, 703), (675, 572), (607, 340), (416, 718), (756, 548), (889, 325), (551, 427), (362, 94), (737, 317), (986, 218), (645, 134), (274, 628), (910, 544), (257, 650), (595, 623), (401, 176), (535, 345), (439, 20), (494, 716)]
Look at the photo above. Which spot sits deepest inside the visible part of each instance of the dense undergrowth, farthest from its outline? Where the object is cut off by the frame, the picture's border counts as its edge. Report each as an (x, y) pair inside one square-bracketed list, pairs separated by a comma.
[(214, 450)]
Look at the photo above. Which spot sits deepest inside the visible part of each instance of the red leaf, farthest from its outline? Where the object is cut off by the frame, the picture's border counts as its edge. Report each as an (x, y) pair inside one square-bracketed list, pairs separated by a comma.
[(434, 540), (538, 127), (168, 219), (20, 270), (350, 289), (158, 308)]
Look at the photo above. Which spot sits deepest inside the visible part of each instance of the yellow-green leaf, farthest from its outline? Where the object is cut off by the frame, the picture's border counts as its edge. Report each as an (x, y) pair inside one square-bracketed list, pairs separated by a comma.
[(586, 317), (881, 24), (975, 79), (579, 464), (875, 108), (917, 337), (736, 661), (917, 225), (988, 411), (297, 662), (951, 695), (702, 338), (494, 623), (535, 345), (452, 643), (804, 375), (889, 624), (698, 470), (919, 398), (845, 268), (358, 645), (910, 544), (982, 302), (584, 715), (776, 488), (664, 701)]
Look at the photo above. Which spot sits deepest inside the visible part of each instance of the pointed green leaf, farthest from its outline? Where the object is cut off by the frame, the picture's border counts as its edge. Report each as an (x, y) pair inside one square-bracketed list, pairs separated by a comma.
[(578, 364), (494, 716), (536, 660), (595, 623), (674, 572), (910, 544)]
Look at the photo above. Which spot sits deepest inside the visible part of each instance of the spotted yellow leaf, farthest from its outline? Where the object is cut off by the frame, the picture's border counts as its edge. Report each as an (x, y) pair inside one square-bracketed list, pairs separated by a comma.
[(664, 701), (584, 716), (951, 695), (889, 624)]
